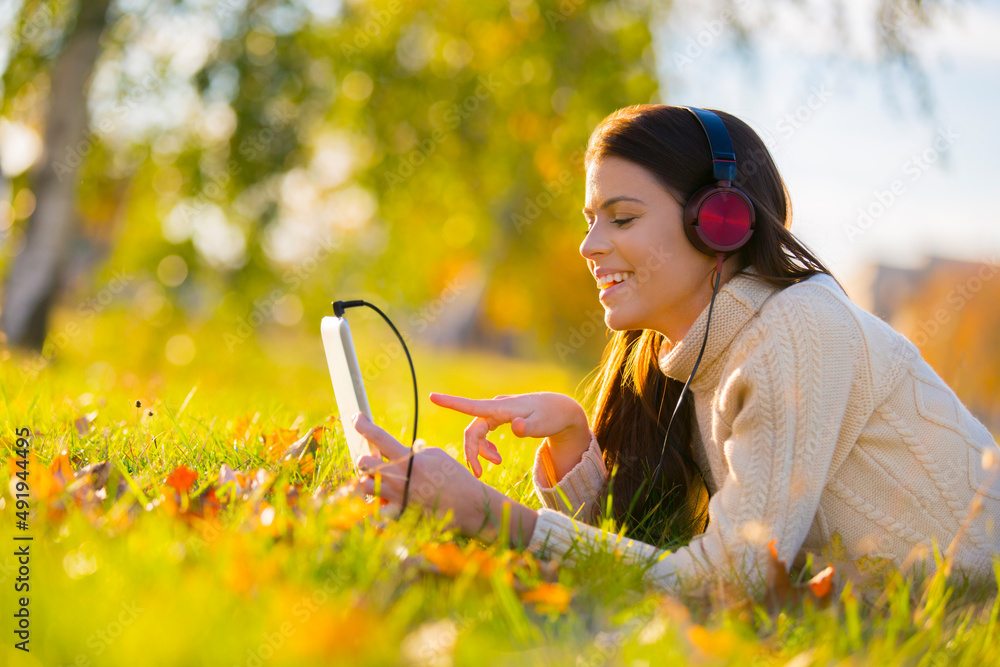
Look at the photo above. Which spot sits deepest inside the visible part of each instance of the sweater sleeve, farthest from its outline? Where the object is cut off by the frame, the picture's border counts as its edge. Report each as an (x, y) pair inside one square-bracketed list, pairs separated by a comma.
[(787, 400), (581, 485)]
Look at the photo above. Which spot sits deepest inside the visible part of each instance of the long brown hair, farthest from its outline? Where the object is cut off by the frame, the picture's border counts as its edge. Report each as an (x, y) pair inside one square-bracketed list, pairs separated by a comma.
[(629, 388)]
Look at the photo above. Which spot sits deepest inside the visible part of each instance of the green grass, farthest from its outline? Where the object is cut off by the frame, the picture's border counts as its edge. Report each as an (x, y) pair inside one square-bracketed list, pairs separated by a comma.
[(134, 580)]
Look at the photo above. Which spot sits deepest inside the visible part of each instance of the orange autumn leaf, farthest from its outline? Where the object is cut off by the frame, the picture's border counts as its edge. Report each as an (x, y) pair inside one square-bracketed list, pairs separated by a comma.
[(330, 424), (822, 583), (61, 467), (243, 426), (210, 504), (307, 465), (300, 454), (451, 560), (277, 441), (447, 557), (337, 632), (549, 597), (781, 590), (348, 512), (181, 478), (42, 481), (716, 643)]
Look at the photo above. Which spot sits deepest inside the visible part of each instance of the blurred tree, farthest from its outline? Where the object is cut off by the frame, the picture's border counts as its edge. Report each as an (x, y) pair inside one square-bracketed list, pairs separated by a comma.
[(33, 282), (429, 152)]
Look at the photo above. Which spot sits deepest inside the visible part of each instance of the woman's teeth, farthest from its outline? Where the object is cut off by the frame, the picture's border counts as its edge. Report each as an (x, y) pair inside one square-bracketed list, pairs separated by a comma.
[(612, 278)]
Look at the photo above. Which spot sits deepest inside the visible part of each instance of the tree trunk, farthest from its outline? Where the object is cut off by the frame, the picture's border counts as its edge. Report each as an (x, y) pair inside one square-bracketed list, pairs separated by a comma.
[(34, 279)]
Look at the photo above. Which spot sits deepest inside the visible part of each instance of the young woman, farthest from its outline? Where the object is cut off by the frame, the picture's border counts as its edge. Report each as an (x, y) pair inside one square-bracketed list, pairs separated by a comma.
[(806, 417)]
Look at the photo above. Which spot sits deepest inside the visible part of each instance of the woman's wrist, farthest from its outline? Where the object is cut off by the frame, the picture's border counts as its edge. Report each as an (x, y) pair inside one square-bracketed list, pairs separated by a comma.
[(567, 447), (487, 516)]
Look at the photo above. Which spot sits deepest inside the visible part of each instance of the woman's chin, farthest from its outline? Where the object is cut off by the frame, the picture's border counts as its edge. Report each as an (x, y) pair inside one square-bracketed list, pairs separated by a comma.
[(616, 320)]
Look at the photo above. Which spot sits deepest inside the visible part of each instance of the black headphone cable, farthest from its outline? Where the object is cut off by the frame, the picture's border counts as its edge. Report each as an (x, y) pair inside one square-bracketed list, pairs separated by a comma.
[(338, 309)]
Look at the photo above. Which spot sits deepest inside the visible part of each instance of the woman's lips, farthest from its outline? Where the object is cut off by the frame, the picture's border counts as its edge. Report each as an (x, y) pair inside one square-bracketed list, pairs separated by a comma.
[(608, 291)]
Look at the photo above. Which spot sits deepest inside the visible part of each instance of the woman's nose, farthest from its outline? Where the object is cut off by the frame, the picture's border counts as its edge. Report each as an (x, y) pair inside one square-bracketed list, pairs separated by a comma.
[(594, 244)]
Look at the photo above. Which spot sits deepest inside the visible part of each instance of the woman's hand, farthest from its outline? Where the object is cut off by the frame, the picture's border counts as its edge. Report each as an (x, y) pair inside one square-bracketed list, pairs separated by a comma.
[(438, 483), (543, 414)]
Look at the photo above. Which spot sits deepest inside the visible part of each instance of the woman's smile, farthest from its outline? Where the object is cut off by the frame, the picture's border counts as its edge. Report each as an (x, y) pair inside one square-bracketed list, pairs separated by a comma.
[(615, 287)]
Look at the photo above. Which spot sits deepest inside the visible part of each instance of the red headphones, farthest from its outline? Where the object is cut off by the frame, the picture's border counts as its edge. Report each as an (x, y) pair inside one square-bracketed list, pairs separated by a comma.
[(718, 218)]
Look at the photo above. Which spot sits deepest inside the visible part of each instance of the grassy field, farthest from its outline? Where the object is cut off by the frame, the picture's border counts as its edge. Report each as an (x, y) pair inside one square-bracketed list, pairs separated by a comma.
[(196, 544)]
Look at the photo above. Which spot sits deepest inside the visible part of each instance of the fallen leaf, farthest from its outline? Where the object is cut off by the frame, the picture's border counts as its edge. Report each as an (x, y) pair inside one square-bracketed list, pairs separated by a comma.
[(82, 425), (549, 597), (243, 427), (822, 584), (302, 452), (95, 475), (276, 443), (716, 643), (62, 468), (346, 513), (181, 478), (782, 591)]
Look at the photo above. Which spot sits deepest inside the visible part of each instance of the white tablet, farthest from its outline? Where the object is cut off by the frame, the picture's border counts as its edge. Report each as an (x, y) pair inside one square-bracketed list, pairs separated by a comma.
[(348, 387)]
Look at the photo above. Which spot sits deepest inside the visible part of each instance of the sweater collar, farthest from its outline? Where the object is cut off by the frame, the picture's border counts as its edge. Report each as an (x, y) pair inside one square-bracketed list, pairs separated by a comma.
[(735, 304)]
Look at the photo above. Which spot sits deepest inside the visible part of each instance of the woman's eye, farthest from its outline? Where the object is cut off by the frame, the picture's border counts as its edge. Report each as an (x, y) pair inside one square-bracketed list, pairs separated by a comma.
[(618, 222)]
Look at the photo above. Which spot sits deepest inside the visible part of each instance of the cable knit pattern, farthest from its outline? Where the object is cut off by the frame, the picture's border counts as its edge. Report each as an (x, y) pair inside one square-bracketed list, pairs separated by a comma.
[(815, 418), (872, 513), (580, 485)]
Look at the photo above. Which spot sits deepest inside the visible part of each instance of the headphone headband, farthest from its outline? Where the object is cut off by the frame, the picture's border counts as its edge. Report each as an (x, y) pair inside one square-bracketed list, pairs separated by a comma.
[(718, 218), (723, 155)]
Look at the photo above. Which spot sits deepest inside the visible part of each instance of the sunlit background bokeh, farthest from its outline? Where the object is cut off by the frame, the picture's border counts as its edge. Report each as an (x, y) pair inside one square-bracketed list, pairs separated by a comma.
[(204, 178), (186, 185)]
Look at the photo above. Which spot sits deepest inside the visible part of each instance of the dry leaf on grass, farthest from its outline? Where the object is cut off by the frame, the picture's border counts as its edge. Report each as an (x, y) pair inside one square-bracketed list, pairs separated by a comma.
[(548, 597), (182, 478), (277, 442), (781, 591)]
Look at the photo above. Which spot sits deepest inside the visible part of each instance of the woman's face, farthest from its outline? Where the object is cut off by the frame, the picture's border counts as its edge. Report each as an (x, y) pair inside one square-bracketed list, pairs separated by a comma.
[(636, 227)]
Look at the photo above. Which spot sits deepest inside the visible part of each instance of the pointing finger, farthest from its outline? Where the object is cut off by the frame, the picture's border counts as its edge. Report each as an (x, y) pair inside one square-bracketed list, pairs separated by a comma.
[(470, 406)]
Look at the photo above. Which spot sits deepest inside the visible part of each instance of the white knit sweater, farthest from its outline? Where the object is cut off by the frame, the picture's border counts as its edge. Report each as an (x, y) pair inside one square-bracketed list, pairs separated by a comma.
[(813, 418)]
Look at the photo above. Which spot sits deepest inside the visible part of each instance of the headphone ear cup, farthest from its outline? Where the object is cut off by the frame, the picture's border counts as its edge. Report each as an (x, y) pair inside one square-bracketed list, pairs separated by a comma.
[(718, 219)]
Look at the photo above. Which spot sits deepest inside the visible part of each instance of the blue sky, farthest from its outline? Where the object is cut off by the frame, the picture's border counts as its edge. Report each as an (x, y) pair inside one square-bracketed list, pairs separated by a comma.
[(855, 133)]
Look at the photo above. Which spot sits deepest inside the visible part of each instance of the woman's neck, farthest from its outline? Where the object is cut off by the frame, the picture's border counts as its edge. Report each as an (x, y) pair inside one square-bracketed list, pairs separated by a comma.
[(678, 327)]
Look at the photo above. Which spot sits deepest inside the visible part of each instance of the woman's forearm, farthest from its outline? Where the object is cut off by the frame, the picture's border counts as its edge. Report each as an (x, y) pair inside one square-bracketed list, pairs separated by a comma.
[(520, 526)]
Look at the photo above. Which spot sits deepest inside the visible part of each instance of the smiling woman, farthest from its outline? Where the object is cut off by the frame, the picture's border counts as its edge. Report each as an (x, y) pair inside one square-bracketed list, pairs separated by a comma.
[(808, 417), (802, 420)]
